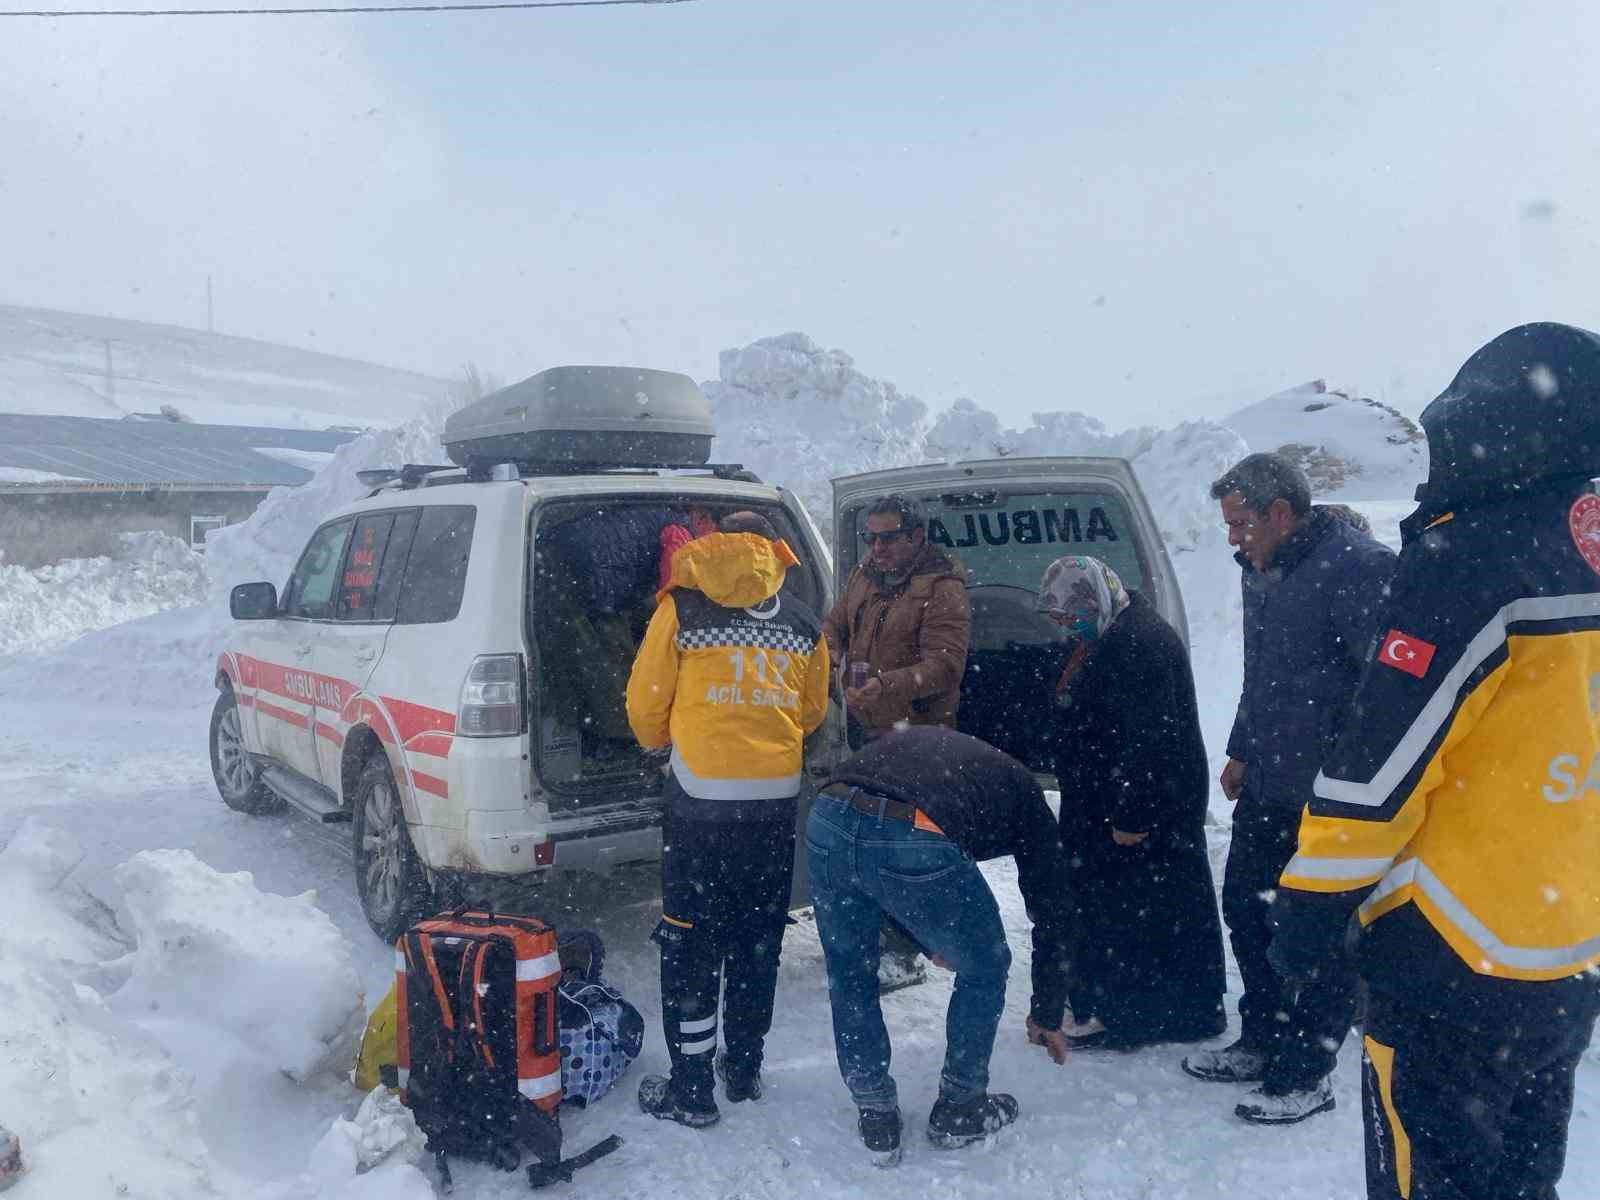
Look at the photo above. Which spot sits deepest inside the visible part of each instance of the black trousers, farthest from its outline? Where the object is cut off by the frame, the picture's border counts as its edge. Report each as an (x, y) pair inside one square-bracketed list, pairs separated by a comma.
[(1454, 1114), (724, 905), (1300, 1029)]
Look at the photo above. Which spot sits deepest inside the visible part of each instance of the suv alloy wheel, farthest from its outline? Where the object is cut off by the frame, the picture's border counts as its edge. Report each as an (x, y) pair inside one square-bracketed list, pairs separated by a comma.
[(238, 778), (389, 880)]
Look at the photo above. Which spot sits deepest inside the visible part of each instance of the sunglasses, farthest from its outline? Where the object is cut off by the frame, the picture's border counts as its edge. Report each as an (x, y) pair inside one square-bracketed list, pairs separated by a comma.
[(888, 535)]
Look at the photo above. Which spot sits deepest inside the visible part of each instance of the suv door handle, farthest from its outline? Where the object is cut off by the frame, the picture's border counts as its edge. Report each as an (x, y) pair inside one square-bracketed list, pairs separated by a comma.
[(303, 649)]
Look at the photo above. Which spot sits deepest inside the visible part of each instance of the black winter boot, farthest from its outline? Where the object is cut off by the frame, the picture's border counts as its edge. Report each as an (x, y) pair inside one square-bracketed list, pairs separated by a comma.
[(951, 1126), (880, 1133), (660, 1099), (738, 1083)]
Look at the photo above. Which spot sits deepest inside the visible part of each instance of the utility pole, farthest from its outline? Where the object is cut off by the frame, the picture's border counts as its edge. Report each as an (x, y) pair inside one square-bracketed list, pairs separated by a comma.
[(211, 325)]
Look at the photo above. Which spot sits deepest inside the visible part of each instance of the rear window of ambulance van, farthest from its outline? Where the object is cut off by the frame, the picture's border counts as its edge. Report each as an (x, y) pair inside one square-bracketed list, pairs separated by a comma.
[(1011, 538)]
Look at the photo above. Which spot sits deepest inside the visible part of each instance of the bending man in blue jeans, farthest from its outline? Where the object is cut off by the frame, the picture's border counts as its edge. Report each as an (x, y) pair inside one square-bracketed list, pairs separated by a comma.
[(900, 829)]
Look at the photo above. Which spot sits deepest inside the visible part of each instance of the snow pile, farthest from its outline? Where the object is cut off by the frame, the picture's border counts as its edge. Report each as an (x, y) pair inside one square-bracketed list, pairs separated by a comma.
[(798, 415), (1347, 444), (125, 1063), (227, 974), (99, 1107), (65, 924), (42, 607), (369, 1156)]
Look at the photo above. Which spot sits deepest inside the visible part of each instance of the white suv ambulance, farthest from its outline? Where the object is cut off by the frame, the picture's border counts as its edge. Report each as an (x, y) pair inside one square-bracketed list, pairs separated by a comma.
[(444, 668)]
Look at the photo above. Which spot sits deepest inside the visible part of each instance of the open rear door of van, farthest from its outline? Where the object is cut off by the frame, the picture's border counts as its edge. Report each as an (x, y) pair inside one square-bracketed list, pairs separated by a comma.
[(1005, 520)]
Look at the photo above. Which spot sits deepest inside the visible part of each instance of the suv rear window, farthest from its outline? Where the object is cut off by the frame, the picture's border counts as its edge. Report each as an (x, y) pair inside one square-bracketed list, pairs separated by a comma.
[(592, 581), (436, 570), (1011, 539)]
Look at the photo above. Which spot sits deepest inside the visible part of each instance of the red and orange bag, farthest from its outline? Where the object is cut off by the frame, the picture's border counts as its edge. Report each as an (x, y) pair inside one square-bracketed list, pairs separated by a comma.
[(477, 1035)]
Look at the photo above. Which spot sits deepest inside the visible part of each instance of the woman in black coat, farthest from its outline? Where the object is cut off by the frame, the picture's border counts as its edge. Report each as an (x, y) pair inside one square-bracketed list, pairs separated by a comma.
[(1125, 736)]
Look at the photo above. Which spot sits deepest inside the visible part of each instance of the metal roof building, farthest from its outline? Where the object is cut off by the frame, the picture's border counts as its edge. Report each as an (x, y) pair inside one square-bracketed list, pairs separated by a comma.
[(92, 453), (69, 486)]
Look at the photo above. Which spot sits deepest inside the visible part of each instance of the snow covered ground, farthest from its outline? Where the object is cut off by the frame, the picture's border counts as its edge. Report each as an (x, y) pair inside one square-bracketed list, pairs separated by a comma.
[(174, 1028)]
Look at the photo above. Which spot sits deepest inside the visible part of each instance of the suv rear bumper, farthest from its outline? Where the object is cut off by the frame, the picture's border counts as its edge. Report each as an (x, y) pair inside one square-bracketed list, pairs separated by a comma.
[(510, 842)]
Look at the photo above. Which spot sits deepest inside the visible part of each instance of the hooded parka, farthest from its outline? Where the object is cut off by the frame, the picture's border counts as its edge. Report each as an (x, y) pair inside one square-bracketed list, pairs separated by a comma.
[(732, 673)]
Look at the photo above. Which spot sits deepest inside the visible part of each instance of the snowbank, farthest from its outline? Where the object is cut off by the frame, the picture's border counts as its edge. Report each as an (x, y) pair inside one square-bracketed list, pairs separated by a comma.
[(125, 1055), (1347, 444), (799, 415), (227, 973), (99, 1107), (64, 924), (46, 606)]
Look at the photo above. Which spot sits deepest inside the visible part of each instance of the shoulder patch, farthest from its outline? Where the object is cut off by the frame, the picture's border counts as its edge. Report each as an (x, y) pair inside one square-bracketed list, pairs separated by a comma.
[(1583, 520), (1406, 653)]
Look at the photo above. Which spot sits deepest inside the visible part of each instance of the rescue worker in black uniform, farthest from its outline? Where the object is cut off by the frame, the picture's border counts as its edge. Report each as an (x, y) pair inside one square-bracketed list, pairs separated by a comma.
[(732, 674), (1458, 818)]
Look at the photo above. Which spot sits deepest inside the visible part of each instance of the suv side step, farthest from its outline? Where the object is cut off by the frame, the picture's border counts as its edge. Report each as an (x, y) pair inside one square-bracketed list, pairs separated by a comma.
[(310, 798)]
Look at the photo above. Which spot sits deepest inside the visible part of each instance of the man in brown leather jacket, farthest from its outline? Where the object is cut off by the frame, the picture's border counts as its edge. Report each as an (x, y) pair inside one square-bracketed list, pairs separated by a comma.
[(900, 635), (904, 614)]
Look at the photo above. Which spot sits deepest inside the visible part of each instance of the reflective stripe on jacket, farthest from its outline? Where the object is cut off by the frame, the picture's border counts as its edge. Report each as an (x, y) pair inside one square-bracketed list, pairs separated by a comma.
[(1460, 812), (733, 671)]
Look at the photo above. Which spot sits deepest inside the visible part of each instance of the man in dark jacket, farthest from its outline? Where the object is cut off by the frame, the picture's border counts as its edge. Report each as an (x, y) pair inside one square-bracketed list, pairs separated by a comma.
[(900, 829), (1314, 591), (1459, 816)]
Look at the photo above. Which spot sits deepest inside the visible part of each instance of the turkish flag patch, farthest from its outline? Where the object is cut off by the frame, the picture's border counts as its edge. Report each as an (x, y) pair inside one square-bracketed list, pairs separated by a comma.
[(1406, 653)]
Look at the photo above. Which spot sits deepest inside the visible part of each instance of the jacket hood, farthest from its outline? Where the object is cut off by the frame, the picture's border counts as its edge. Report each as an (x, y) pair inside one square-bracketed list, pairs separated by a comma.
[(735, 570), (1524, 409)]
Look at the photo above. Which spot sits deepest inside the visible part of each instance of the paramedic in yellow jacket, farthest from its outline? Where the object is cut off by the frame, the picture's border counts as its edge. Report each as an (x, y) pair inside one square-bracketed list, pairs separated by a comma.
[(1458, 817), (733, 673)]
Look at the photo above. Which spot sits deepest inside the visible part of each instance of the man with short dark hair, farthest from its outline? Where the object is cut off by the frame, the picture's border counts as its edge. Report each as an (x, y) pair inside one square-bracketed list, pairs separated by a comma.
[(732, 674), (1314, 590), (899, 636), (904, 617)]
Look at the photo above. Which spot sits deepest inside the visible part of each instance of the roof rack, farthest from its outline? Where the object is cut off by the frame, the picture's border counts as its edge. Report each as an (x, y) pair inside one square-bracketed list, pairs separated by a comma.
[(409, 475), (415, 475)]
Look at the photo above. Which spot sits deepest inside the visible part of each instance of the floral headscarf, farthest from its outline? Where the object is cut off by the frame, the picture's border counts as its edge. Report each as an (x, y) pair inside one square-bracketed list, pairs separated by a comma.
[(1084, 586)]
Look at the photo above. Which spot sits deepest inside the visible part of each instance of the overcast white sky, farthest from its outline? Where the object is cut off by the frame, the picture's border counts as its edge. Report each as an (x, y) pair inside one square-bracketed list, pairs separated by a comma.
[(1142, 210)]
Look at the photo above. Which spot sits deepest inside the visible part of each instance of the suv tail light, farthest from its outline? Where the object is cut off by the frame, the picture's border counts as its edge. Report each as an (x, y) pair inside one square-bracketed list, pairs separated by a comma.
[(491, 698)]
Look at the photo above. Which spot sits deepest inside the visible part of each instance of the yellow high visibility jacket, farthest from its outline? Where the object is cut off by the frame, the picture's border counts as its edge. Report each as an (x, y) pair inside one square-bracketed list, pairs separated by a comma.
[(1459, 814), (733, 671)]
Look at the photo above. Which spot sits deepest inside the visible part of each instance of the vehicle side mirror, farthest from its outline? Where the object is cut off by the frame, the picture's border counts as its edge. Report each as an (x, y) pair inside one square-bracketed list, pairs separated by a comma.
[(253, 601)]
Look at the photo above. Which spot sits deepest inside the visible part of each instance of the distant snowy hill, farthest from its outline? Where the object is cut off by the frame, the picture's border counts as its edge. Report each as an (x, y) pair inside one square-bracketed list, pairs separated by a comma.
[(1348, 445), (72, 364)]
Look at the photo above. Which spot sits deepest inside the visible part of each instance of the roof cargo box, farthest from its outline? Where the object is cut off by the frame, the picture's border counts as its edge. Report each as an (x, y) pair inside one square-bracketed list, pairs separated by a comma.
[(599, 416)]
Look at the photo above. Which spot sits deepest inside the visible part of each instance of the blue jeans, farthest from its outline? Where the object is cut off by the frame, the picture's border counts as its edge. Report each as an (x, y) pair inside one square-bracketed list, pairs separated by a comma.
[(864, 865)]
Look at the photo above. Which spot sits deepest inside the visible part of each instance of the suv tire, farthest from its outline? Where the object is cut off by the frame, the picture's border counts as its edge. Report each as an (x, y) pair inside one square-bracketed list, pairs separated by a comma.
[(390, 880), (237, 775)]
